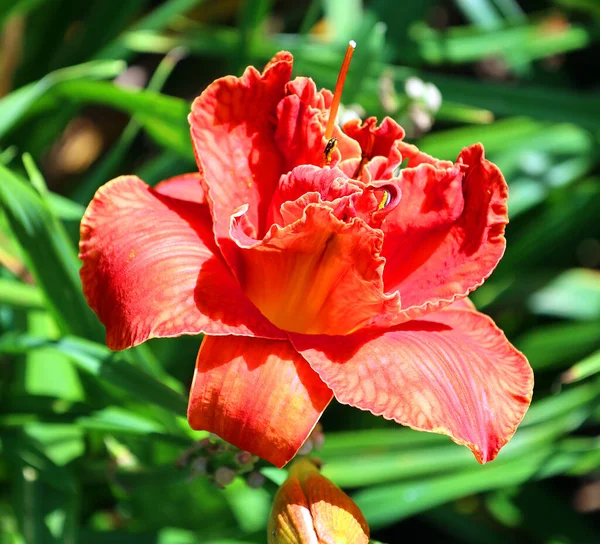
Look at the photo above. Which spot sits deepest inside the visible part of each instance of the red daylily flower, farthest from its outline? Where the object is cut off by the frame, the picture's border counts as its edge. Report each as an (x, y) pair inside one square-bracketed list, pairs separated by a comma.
[(312, 274)]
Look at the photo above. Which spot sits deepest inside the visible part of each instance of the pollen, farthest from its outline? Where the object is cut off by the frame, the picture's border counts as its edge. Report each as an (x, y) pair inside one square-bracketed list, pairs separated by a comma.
[(329, 149), (387, 197)]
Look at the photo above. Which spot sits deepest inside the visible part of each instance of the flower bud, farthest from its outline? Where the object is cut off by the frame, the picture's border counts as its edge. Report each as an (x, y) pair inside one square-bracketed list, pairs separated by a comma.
[(310, 509), (243, 458), (255, 480), (224, 476)]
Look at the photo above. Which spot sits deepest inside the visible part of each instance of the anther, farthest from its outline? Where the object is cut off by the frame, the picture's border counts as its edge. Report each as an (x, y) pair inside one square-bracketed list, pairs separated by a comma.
[(329, 149), (339, 86), (389, 200)]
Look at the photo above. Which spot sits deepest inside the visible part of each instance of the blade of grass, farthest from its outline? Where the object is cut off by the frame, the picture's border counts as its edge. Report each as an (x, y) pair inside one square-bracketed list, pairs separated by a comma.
[(164, 117), (49, 255), (97, 360), (556, 345), (109, 164), (368, 470), (481, 13), (583, 369), (161, 17), (523, 43), (544, 103), (17, 104), (387, 504), (18, 295), (574, 294)]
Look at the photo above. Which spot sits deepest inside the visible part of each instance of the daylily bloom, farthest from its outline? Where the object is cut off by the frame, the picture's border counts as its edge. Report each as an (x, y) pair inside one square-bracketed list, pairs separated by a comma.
[(315, 268), (309, 509)]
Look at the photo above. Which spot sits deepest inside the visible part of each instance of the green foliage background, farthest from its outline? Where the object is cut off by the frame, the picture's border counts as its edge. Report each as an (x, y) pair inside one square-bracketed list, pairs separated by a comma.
[(89, 438)]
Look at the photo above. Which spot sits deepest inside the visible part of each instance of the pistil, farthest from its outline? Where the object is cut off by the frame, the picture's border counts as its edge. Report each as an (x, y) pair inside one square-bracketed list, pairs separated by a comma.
[(339, 86)]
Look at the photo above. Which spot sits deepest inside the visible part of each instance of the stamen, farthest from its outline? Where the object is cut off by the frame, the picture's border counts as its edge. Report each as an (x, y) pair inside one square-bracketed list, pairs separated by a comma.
[(389, 200), (363, 160), (339, 86), (329, 149)]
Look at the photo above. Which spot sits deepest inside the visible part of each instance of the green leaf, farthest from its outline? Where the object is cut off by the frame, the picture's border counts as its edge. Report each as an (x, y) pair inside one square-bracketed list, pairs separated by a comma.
[(64, 208), (523, 42), (583, 369), (17, 104), (19, 295), (119, 420), (343, 15), (109, 164), (574, 294), (159, 18), (99, 361), (24, 451), (388, 504), (551, 346), (250, 506), (16, 8), (481, 13), (49, 255), (391, 454), (164, 117), (61, 443), (544, 103), (377, 468), (557, 405), (46, 372), (539, 102), (44, 493)]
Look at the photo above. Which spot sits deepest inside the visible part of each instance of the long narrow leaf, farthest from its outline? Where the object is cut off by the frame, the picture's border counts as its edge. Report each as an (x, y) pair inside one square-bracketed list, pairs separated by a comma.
[(49, 254)]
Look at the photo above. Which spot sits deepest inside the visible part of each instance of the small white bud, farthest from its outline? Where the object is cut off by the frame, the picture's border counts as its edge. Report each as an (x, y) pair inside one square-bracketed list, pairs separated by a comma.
[(432, 97), (414, 88)]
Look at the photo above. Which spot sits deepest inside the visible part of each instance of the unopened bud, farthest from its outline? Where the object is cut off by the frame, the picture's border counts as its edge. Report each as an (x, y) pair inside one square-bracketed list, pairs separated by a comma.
[(432, 97), (255, 480), (199, 466), (414, 88), (318, 437), (308, 508), (224, 476), (306, 448), (243, 458)]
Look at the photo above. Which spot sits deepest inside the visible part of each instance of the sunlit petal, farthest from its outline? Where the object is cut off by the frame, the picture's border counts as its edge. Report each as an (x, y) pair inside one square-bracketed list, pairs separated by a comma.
[(453, 373), (259, 395), (151, 269)]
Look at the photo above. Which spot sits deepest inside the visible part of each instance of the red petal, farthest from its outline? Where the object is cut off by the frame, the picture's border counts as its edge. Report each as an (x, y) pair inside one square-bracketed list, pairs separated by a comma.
[(259, 395), (414, 157), (379, 143), (454, 374), (150, 269), (305, 276), (446, 235), (307, 184), (184, 187), (301, 120), (461, 304), (375, 140), (232, 126)]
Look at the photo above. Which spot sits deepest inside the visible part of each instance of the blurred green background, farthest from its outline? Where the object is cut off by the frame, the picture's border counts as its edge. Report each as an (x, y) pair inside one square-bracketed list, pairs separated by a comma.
[(89, 90)]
